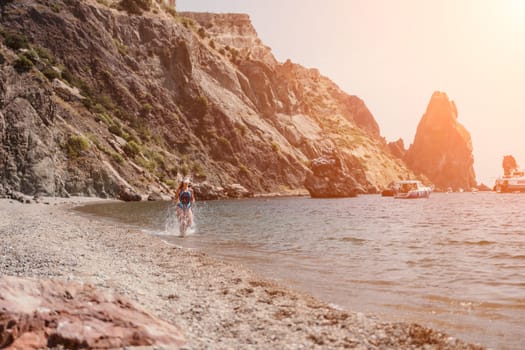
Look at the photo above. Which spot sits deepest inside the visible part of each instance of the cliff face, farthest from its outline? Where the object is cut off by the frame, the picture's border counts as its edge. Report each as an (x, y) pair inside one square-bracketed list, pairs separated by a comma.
[(397, 148), (442, 148), (93, 100)]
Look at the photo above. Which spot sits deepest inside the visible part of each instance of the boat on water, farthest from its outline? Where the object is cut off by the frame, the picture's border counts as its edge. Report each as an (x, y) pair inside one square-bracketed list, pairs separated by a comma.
[(513, 182), (410, 189), (389, 192)]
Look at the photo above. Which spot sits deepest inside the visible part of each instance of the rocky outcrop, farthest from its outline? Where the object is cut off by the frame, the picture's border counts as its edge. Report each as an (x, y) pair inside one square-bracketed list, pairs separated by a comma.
[(484, 188), (39, 314), (442, 148), (509, 165), (94, 99), (330, 178), (233, 31), (397, 148), (237, 191), (205, 190), (128, 195)]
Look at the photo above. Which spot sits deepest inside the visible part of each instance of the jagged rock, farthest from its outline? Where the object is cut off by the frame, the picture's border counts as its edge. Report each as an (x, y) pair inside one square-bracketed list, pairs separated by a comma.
[(237, 191), (22, 198), (157, 196), (442, 148), (206, 191), (67, 92), (329, 179), (128, 195), (39, 314), (484, 188), (509, 165), (397, 148)]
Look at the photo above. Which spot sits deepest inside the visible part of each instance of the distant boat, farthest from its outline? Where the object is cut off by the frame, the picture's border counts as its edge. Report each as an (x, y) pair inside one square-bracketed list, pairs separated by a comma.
[(515, 182), (410, 189), (389, 192)]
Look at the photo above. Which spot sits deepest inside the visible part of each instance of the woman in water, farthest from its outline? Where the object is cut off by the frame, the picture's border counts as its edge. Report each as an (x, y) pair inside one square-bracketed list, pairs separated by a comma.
[(184, 199)]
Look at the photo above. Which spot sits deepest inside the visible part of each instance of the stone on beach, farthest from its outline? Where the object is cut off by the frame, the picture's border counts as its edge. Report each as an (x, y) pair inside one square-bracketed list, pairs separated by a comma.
[(48, 313)]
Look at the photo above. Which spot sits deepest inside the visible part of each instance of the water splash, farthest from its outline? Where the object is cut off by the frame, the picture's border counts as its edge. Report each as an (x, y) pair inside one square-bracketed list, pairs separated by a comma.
[(171, 224)]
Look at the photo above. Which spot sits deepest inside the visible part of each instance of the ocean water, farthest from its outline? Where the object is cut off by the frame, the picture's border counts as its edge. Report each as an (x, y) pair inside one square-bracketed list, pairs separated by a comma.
[(454, 262)]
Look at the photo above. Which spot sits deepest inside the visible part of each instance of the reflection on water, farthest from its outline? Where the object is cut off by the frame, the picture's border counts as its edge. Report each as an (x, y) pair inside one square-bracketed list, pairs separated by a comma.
[(454, 261)]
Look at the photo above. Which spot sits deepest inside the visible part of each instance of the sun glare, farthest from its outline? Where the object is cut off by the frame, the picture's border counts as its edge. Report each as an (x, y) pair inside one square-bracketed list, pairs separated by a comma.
[(515, 13)]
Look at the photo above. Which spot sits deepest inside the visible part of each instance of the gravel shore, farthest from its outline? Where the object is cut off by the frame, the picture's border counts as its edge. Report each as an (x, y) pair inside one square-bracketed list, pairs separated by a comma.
[(218, 305)]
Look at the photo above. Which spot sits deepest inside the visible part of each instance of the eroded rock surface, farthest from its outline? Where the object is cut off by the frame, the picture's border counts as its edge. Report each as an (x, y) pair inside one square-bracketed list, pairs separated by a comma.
[(442, 148), (331, 178), (36, 314)]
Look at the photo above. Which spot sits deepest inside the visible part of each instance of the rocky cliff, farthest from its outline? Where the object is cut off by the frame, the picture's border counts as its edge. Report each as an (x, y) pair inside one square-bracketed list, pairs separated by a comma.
[(94, 100), (442, 148), (397, 148)]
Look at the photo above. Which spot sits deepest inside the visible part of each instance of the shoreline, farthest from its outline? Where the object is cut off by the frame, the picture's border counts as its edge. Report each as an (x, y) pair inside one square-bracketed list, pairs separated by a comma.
[(217, 304)]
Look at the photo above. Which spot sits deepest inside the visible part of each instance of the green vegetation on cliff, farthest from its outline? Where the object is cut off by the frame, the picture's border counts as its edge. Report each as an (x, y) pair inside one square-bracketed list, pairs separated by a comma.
[(162, 96)]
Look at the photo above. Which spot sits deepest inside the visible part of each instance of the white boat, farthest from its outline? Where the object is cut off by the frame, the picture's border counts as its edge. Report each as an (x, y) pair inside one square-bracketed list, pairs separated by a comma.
[(409, 189), (515, 182)]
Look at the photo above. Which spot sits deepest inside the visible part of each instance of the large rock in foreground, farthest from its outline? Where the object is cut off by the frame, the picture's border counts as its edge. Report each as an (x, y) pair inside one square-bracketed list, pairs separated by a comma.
[(442, 148), (330, 179), (36, 314)]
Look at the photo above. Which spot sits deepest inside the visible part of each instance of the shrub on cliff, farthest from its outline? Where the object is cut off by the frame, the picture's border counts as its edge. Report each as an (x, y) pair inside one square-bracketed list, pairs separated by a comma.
[(200, 106), (23, 64), (77, 144), (16, 41), (50, 73), (135, 7), (132, 149)]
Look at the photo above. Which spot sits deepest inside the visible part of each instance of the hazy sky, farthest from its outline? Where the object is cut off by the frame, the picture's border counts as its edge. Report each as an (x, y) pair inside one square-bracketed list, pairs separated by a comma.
[(395, 53)]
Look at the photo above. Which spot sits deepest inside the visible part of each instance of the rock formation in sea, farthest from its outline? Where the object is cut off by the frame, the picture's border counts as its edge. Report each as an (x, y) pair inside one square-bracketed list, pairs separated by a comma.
[(97, 100), (509, 164), (442, 148)]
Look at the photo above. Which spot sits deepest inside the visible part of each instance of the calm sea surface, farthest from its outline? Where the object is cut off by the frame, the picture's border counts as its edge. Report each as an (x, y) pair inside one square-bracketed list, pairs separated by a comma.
[(454, 262)]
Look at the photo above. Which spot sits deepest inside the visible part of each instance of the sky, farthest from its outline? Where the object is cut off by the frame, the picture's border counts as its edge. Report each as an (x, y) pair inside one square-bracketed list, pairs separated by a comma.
[(395, 53)]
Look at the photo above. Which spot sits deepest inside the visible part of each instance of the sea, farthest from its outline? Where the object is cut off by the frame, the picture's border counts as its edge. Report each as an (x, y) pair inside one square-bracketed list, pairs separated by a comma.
[(454, 262)]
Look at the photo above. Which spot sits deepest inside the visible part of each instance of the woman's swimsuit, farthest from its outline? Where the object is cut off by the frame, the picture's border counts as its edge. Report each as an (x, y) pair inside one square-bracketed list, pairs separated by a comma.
[(184, 200)]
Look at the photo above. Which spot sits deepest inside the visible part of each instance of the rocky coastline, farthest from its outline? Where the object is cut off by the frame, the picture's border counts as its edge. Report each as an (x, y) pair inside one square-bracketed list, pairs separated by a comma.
[(216, 305)]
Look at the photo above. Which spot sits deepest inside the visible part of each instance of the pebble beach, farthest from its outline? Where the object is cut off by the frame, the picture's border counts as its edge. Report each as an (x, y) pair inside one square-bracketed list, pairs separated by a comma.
[(217, 305)]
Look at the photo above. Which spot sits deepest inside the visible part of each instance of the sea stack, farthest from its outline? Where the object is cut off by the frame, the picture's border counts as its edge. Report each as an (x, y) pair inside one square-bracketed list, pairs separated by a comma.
[(442, 148)]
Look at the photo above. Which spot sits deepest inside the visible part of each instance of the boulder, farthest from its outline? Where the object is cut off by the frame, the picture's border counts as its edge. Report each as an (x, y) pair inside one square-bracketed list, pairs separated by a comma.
[(207, 191), (157, 196), (237, 191), (39, 314), (330, 180), (484, 188), (128, 195), (22, 198)]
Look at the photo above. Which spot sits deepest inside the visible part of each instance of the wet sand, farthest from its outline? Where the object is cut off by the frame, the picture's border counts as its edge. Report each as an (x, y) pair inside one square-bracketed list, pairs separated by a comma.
[(218, 305)]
